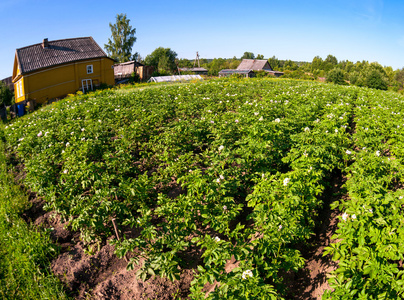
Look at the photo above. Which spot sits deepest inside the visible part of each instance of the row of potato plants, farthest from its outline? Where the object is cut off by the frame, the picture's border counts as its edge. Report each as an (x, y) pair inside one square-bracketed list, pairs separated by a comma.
[(369, 243), (283, 209), (220, 171)]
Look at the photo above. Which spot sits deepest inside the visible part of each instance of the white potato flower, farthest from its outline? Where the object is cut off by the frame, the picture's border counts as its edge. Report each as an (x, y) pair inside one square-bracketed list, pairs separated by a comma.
[(247, 273)]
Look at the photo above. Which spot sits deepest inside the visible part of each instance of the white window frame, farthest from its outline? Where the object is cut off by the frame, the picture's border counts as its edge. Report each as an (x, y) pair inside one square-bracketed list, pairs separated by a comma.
[(16, 89), (86, 85), (19, 88), (90, 69)]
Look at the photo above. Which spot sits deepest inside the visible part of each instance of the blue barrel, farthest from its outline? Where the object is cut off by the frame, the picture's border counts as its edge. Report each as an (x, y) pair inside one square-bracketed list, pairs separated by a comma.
[(20, 110)]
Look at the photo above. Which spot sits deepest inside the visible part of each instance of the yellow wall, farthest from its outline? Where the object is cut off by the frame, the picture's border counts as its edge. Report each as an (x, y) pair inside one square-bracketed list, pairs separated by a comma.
[(58, 81)]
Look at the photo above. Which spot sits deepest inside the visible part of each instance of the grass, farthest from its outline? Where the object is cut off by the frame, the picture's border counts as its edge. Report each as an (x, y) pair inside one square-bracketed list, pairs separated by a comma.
[(25, 251)]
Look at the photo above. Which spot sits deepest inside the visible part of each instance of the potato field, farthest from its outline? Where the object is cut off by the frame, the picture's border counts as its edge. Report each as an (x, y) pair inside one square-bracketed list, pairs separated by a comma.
[(198, 176)]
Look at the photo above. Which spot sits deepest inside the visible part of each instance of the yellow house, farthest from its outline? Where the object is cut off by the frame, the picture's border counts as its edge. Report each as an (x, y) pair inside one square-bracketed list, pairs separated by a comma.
[(53, 69)]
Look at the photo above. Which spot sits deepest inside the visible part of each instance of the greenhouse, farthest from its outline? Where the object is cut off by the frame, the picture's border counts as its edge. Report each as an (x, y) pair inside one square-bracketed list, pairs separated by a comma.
[(175, 78)]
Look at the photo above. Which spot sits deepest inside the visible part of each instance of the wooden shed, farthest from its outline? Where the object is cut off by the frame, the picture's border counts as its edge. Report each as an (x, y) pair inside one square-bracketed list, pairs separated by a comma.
[(53, 69), (125, 70)]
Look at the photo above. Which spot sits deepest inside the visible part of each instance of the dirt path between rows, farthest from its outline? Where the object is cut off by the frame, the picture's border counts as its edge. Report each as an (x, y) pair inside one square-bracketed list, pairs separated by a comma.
[(104, 276)]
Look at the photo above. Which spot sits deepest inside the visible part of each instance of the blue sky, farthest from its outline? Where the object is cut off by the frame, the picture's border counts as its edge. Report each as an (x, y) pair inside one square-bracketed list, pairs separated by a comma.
[(371, 30)]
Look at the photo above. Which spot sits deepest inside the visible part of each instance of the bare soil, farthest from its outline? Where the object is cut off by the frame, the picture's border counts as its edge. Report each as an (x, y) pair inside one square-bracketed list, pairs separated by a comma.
[(104, 276)]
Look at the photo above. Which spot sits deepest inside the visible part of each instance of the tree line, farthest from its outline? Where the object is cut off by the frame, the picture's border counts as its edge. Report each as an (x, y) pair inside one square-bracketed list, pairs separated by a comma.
[(165, 62), (345, 72)]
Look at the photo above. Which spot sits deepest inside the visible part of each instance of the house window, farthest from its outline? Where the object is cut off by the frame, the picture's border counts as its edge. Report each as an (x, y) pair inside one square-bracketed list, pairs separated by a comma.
[(89, 69), (16, 90), (18, 87)]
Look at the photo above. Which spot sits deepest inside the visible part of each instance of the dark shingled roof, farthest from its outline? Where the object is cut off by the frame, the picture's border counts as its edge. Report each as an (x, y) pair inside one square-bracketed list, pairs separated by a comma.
[(58, 52)]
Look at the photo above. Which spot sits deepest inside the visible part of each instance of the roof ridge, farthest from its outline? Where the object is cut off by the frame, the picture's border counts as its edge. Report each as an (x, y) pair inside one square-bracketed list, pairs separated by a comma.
[(83, 37), (60, 51)]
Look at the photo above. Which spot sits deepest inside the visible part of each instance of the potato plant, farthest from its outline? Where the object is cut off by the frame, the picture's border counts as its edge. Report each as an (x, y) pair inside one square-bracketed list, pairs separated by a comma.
[(224, 171)]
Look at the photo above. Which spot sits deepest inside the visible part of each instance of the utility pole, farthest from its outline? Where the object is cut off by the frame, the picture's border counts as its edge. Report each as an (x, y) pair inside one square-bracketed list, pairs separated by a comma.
[(197, 59)]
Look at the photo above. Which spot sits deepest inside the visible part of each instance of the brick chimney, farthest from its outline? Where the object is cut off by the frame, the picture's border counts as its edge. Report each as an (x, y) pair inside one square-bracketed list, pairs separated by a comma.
[(45, 44)]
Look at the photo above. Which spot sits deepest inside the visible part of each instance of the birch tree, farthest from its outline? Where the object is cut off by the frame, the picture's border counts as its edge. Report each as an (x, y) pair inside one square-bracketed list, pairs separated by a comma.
[(119, 46)]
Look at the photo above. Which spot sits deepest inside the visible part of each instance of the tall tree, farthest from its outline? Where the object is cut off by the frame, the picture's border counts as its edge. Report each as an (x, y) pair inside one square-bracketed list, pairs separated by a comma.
[(6, 95), (136, 57), (290, 65), (216, 65), (184, 63), (274, 63), (317, 64), (163, 60), (119, 46), (375, 79), (336, 76), (399, 78), (248, 55), (331, 59)]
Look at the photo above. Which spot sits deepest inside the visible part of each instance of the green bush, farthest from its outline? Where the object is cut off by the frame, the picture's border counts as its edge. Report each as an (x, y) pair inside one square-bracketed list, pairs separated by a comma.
[(297, 74), (261, 74), (336, 76), (376, 80), (6, 96), (236, 75), (134, 77)]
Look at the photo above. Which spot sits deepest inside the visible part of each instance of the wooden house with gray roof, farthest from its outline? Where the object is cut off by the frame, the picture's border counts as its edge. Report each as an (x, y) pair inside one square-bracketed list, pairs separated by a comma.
[(53, 69), (248, 66)]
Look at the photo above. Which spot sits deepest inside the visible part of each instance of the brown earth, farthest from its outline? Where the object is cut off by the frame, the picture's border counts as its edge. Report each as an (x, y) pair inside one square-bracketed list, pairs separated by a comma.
[(104, 276), (311, 282)]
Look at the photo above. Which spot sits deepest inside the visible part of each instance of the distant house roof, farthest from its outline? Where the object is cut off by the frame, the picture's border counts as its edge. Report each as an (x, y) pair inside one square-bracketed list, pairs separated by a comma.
[(228, 72), (199, 70), (8, 81), (275, 73), (130, 63), (235, 71), (254, 64), (51, 53)]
